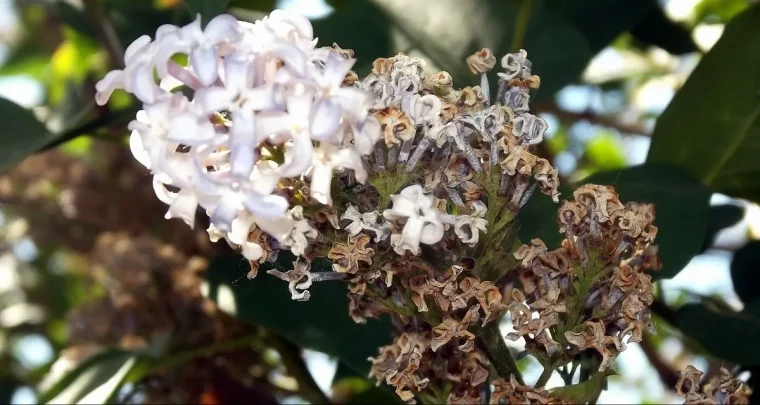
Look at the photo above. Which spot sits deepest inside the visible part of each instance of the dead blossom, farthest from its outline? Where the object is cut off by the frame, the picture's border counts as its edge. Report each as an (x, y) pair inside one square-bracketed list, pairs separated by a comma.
[(724, 388), (481, 62)]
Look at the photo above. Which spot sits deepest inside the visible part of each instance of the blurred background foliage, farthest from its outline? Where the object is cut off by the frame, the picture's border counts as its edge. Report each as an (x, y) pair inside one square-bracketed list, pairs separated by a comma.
[(101, 300)]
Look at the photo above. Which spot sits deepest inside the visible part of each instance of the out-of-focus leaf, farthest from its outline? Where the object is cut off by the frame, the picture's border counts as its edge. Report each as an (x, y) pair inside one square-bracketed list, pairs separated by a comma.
[(348, 387), (98, 377), (719, 10), (322, 323), (734, 337), (445, 32), (20, 135), (601, 21), (94, 381), (74, 18), (712, 126), (605, 152), (208, 9), (721, 217), (681, 209), (745, 272), (538, 218), (657, 29), (258, 5)]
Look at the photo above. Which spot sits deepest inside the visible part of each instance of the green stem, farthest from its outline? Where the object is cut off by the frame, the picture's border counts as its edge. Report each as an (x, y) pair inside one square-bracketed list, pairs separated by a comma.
[(105, 31), (544, 377), (226, 346), (498, 353), (521, 25)]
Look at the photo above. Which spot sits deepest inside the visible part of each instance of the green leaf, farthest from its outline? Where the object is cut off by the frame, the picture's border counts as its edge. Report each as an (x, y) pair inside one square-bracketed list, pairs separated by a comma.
[(208, 9), (734, 337), (711, 128), (538, 218), (21, 134), (721, 217), (93, 381), (322, 323), (601, 21), (745, 272), (605, 152), (681, 209), (657, 29)]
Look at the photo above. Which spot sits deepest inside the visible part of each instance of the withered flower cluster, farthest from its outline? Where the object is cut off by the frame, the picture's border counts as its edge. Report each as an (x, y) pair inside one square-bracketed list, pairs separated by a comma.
[(723, 388), (592, 292)]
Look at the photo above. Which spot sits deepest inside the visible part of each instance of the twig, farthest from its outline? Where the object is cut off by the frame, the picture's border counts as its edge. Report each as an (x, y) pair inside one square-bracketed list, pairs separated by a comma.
[(603, 120), (668, 376), (544, 377), (105, 31), (498, 353)]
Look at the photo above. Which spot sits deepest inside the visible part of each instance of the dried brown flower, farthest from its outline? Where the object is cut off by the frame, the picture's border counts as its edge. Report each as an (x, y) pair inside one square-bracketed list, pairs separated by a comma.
[(481, 62)]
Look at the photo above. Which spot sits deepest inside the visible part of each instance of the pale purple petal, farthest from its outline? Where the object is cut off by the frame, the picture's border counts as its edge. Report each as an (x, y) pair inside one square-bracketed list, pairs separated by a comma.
[(227, 210), (242, 144), (432, 233), (272, 123), (355, 102), (184, 206), (294, 59), (183, 75), (298, 155), (263, 97), (135, 47), (301, 24), (237, 71), (186, 129), (111, 81), (138, 149), (205, 63), (221, 27), (214, 98), (268, 206), (326, 119), (141, 83), (321, 181), (336, 69)]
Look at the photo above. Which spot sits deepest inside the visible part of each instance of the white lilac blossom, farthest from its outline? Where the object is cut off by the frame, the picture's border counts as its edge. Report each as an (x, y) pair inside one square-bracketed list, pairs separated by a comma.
[(266, 106), (421, 221)]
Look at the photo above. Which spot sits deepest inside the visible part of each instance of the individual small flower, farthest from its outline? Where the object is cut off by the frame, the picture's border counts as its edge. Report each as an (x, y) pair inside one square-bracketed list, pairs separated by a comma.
[(422, 223), (395, 125), (529, 128), (468, 227), (594, 337), (516, 65), (299, 280), (348, 257), (481, 62), (363, 222)]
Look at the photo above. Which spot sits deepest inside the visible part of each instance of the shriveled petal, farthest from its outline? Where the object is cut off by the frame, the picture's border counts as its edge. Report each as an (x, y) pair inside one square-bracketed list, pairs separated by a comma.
[(184, 206), (326, 119), (205, 63), (111, 81), (410, 237)]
